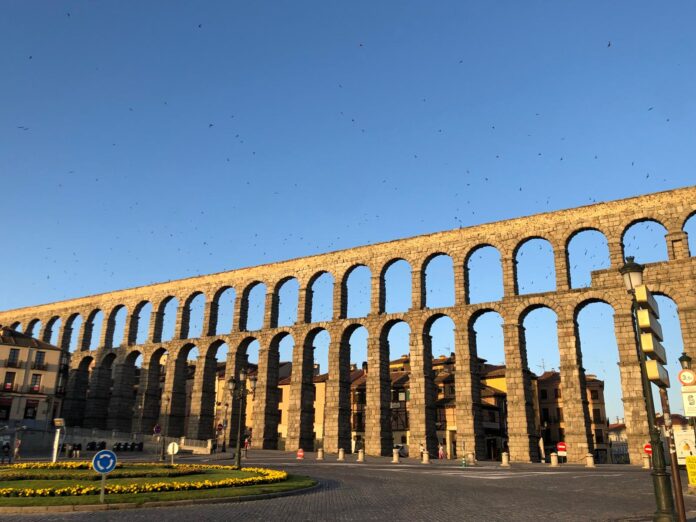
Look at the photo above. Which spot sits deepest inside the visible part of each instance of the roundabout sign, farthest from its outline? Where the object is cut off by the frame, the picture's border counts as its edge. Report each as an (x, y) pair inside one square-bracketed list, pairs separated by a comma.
[(104, 462)]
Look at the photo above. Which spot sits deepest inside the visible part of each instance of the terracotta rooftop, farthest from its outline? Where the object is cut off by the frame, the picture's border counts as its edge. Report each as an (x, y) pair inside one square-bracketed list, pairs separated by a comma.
[(11, 337)]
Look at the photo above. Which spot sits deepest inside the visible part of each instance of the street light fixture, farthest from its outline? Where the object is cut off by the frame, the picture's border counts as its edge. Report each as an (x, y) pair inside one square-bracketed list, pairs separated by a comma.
[(685, 361), (632, 273)]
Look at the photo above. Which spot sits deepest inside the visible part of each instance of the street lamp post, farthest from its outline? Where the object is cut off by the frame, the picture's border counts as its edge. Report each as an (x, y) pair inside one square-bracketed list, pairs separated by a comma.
[(632, 274), (166, 422), (224, 427), (239, 392)]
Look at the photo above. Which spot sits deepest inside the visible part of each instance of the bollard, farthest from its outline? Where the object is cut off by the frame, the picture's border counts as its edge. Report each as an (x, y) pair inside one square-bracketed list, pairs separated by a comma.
[(395, 456), (470, 459), (361, 455), (320, 454), (341, 455), (554, 460), (646, 461), (463, 462), (426, 458), (505, 460), (590, 461)]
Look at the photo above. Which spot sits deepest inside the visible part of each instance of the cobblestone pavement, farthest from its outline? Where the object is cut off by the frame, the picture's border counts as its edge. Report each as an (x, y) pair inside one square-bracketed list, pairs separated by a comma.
[(379, 490)]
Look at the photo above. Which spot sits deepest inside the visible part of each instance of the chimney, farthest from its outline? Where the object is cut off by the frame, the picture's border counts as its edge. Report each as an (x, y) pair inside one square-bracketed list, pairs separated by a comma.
[(364, 366)]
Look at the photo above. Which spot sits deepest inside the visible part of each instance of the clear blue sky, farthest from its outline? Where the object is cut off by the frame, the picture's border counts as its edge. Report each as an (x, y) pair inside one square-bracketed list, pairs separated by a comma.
[(142, 142)]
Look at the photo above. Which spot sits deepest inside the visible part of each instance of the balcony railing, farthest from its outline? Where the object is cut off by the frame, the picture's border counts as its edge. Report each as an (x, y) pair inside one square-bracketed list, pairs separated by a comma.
[(34, 388), (9, 387), (12, 363), (39, 366)]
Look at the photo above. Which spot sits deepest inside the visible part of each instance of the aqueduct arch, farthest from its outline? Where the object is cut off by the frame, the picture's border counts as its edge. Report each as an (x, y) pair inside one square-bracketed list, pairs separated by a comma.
[(93, 369)]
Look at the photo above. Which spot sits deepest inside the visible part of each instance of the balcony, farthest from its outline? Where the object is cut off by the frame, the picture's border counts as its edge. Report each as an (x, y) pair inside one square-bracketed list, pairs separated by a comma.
[(11, 363), (36, 388), (39, 366), (9, 387)]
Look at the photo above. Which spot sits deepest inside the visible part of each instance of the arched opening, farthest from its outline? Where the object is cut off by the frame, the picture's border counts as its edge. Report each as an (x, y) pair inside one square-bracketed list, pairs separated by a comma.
[(93, 328), (52, 332), (16, 326), (284, 343), (351, 379), (76, 393), (690, 229), (594, 323), (535, 270), (487, 347), (396, 281), (253, 305), (122, 404), (396, 339), (439, 281), (194, 311), (674, 346), (115, 327), (645, 241), (588, 251), (247, 358), (484, 275), (71, 333), (166, 319), (99, 393), (150, 390), (208, 404), (440, 400), (140, 323), (540, 355), (287, 296), (356, 291), (176, 405), (320, 297), (33, 328), (223, 304)]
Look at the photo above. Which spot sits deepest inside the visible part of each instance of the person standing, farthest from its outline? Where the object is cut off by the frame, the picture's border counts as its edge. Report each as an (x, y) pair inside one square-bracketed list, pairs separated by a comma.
[(440, 452), (6, 453), (17, 446)]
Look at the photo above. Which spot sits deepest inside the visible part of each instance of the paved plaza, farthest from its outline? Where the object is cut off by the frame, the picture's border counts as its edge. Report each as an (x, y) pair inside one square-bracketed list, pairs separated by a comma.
[(443, 490)]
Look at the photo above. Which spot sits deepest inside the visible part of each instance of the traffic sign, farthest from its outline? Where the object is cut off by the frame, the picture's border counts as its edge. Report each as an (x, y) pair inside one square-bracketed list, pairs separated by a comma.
[(219, 427), (173, 448), (687, 377), (652, 347), (104, 461), (561, 449), (300, 454), (647, 449), (689, 400)]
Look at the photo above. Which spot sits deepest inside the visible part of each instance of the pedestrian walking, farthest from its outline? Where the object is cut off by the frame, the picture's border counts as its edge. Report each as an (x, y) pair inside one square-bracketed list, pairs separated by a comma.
[(422, 450), (78, 449), (440, 452)]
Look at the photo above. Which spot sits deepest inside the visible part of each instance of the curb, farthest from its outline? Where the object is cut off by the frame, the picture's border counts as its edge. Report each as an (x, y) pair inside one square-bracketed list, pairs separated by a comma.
[(16, 510)]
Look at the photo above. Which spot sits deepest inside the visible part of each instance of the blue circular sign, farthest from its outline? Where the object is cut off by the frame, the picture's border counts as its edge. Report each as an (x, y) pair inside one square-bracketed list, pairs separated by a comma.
[(104, 461)]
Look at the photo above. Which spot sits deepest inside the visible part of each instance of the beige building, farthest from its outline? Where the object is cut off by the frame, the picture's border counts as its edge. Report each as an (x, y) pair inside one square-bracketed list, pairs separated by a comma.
[(33, 377)]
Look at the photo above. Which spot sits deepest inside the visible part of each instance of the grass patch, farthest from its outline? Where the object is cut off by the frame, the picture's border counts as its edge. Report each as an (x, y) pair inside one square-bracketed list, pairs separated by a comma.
[(293, 482)]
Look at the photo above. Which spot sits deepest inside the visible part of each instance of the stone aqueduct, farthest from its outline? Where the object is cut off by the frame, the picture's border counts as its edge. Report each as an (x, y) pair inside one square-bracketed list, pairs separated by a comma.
[(108, 387)]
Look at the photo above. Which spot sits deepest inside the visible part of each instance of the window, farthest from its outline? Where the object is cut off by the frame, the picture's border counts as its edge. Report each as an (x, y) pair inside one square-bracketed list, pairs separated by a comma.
[(545, 414), (594, 394), (280, 394), (491, 416), (30, 409), (560, 414), (557, 393), (35, 382), (5, 407), (544, 394), (39, 361), (9, 381), (596, 415), (13, 359), (599, 436)]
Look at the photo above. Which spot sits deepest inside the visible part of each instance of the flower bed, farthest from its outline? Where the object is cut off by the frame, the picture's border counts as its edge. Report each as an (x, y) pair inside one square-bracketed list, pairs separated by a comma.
[(264, 476)]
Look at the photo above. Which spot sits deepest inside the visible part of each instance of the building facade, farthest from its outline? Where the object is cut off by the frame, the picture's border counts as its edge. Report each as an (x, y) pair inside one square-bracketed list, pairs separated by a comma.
[(34, 375)]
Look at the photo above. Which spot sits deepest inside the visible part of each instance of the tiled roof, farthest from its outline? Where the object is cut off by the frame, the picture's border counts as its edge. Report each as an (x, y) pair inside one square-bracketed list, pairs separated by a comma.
[(11, 337)]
